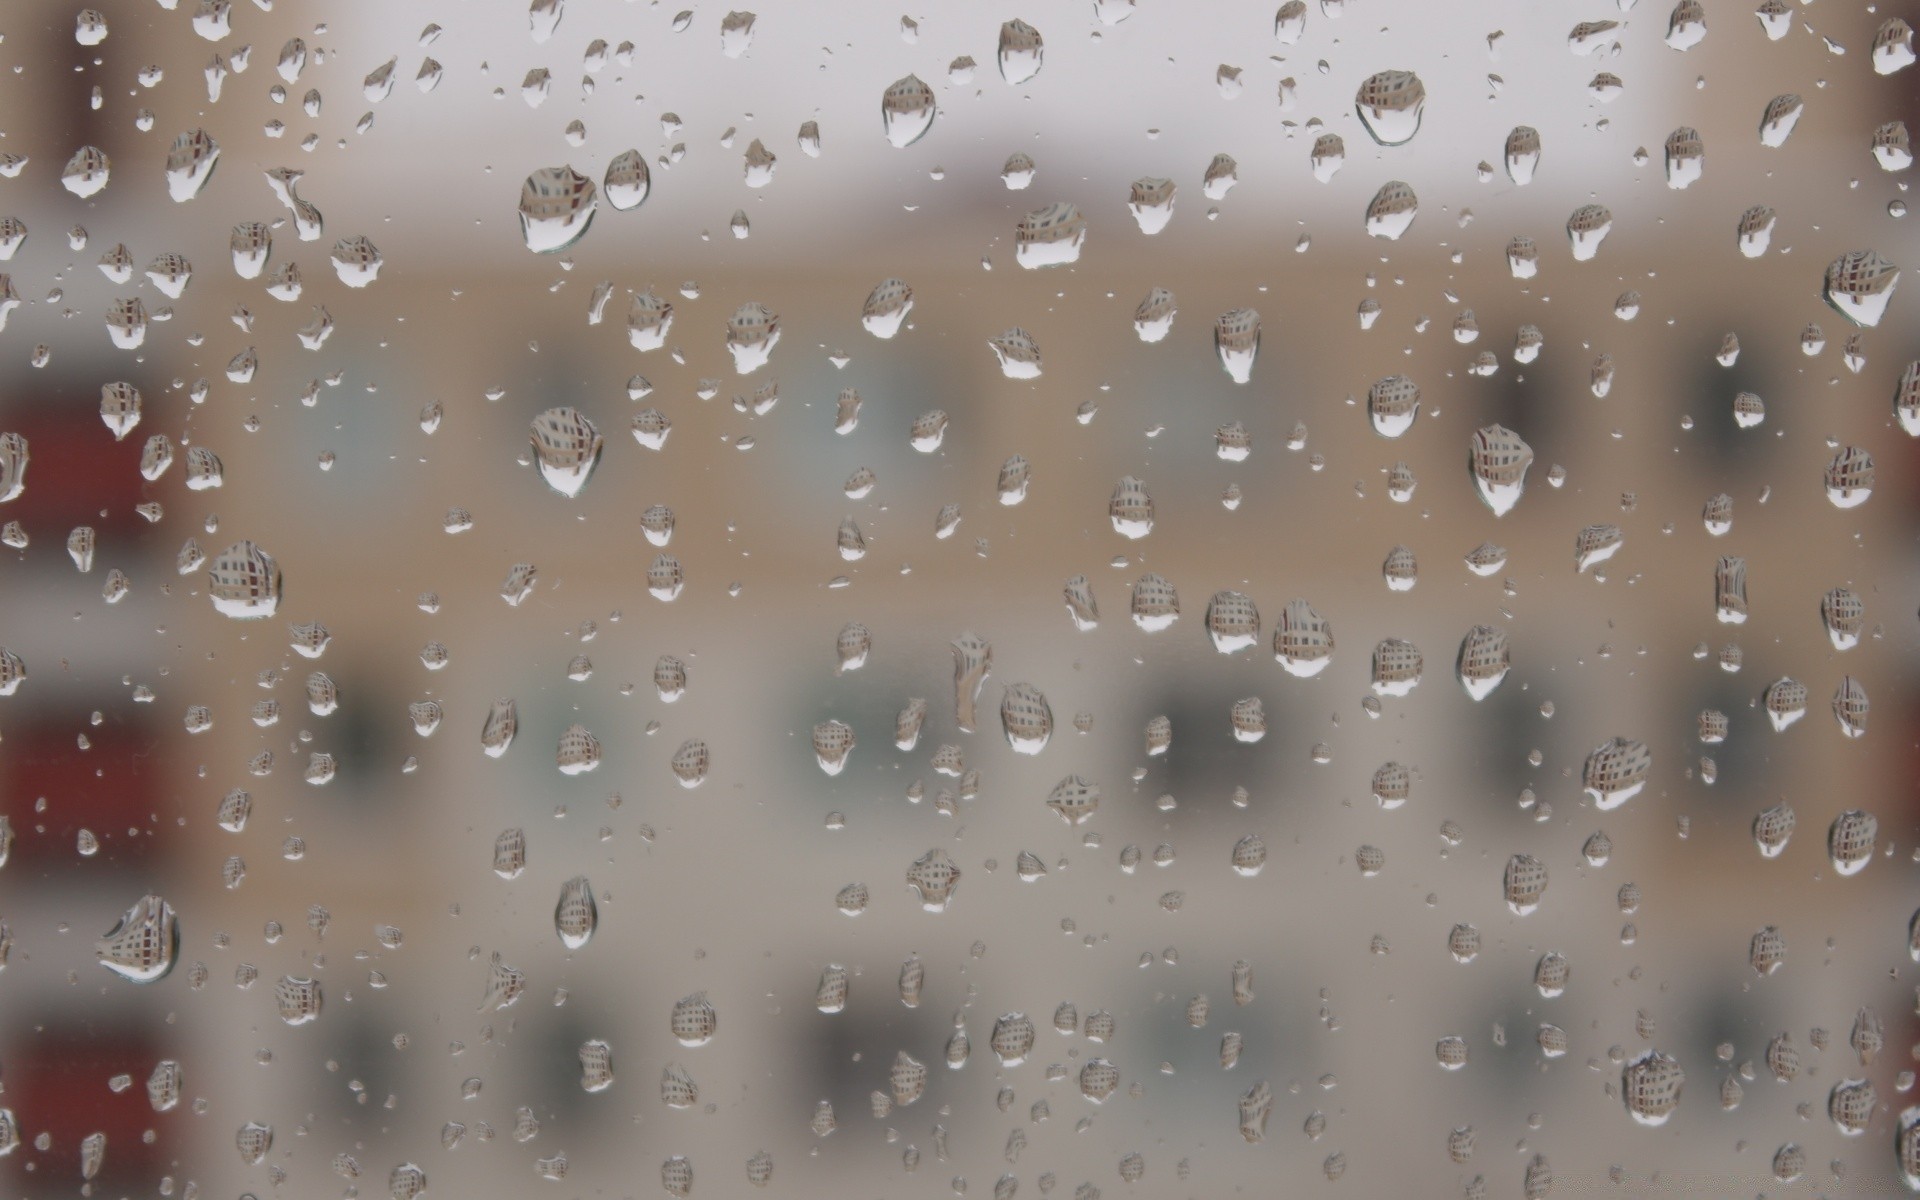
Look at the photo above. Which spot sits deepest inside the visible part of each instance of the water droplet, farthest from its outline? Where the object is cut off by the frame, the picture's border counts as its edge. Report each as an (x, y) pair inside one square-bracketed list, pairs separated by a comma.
[(556, 207), (1390, 105)]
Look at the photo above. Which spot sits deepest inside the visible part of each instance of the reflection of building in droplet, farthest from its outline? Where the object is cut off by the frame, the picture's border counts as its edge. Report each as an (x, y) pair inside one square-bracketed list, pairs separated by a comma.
[(1130, 508), (752, 332), (1081, 605), (1153, 319), (1302, 639), (1221, 174), (1400, 570), (1776, 17), (736, 33), (1781, 115), (1290, 21), (694, 1020), (1523, 262), (1524, 881), (1850, 477), (1500, 460), (80, 546), (929, 429), (887, 307), (510, 853), (244, 581), (1233, 621), (1018, 353), (1907, 1146), (1486, 558), (1844, 614), (1600, 376), (1151, 201), (833, 741), (126, 322), (852, 647), (578, 750), (1730, 590), (1389, 104), (519, 583), (1523, 154), (651, 427), (1392, 209), (1687, 25), (357, 261), (1850, 707), (1891, 147), (1616, 771), (1851, 839), (86, 172), (1552, 974), (1767, 950), (1396, 667), (1718, 514), (665, 577), (1021, 51), (502, 723), (648, 320), (576, 915), (1236, 336), (847, 411), (1859, 285), (676, 1175), (627, 181), (1393, 404), (1026, 718), (120, 408), (1012, 483), (1158, 735), (143, 944), (556, 206), (853, 543), (1588, 36), (1686, 156), (1328, 156), (1713, 726), (1249, 856), (907, 1078), (934, 876), (567, 447), (1587, 228), (690, 762), (1155, 605), (1651, 1085), (906, 110), (1392, 784), (657, 523), (298, 999), (1074, 799), (760, 163), (1050, 236), (1098, 1079), (1249, 719), (1892, 47), (1483, 661), (1851, 1105)]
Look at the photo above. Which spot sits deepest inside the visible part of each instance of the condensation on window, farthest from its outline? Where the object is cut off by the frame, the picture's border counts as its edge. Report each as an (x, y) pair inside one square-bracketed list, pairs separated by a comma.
[(1107, 597)]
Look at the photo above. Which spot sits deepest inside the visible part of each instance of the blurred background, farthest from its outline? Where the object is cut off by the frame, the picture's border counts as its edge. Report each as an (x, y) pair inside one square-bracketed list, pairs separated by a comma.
[(730, 888)]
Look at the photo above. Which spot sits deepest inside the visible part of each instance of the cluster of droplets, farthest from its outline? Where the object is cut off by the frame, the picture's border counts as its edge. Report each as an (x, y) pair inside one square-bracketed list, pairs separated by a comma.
[(557, 206)]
